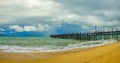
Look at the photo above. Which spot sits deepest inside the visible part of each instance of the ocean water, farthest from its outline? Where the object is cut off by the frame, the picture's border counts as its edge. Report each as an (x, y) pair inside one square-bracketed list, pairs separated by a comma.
[(45, 44)]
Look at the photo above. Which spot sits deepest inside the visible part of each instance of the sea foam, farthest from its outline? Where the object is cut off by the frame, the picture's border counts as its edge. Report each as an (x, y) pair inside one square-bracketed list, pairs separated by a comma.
[(51, 48)]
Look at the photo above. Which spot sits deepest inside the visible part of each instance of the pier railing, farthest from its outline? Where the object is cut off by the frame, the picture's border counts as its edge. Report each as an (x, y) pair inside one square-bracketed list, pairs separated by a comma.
[(98, 35)]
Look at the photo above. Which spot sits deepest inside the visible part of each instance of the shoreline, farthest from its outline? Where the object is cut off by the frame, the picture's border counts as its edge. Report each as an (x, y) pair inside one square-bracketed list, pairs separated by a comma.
[(99, 54), (44, 55), (84, 45)]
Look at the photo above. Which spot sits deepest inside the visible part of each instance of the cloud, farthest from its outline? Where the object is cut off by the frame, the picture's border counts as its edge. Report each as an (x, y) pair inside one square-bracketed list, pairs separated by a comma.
[(87, 20), (30, 28), (52, 14), (17, 28), (27, 8), (38, 28), (43, 27), (92, 12)]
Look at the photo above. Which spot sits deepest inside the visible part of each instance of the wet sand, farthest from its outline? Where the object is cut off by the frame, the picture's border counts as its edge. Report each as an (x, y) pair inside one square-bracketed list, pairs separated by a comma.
[(102, 54)]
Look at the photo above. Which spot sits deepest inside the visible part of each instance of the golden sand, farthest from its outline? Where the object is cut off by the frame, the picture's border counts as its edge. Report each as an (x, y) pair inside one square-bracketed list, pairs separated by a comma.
[(102, 54)]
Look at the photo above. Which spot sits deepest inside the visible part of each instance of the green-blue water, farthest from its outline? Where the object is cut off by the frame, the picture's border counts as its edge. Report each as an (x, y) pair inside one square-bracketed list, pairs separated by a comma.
[(36, 41), (26, 44)]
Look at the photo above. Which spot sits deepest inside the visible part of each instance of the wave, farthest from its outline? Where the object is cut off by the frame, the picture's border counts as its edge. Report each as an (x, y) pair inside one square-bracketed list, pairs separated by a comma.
[(52, 48)]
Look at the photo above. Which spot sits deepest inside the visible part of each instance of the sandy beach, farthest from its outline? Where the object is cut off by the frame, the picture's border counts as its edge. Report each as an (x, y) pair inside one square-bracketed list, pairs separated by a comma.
[(101, 54)]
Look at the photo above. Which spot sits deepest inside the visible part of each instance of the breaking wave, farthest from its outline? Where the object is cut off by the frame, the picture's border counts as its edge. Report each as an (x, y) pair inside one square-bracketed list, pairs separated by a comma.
[(37, 44)]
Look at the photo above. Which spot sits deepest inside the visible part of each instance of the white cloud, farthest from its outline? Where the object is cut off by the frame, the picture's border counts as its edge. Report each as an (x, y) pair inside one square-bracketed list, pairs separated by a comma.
[(39, 28), (27, 8), (43, 27), (17, 28), (30, 28)]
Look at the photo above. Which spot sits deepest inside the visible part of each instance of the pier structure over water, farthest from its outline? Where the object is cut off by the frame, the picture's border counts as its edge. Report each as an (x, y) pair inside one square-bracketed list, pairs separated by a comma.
[(96, 35)]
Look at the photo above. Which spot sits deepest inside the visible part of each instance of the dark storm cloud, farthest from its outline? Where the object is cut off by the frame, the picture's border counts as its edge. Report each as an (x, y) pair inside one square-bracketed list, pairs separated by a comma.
[(106, 10)]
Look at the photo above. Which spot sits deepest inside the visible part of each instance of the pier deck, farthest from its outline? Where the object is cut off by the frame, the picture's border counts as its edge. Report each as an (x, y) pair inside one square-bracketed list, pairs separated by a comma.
[(89, 35)]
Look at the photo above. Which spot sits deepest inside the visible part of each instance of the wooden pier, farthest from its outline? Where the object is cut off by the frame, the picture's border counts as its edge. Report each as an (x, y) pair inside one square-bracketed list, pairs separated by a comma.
[(97, 35)]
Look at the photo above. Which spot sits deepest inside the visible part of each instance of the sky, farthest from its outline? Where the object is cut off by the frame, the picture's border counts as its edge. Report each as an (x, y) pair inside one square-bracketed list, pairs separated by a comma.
[(45, 17)]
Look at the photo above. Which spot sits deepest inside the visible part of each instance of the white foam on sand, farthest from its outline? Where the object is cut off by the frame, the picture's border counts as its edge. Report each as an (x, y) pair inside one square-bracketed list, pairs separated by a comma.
[(50, 48)]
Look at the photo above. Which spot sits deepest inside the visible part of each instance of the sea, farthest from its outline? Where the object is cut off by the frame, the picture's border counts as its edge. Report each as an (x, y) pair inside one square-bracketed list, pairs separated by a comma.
[(45, 44)]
